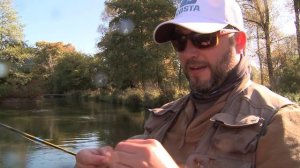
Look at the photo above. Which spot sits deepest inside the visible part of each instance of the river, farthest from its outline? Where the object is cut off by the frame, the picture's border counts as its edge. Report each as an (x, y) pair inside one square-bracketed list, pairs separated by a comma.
[(70, 124)]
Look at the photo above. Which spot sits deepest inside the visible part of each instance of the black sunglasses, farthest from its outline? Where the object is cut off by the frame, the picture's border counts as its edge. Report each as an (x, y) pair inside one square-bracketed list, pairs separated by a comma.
[(201, 41)]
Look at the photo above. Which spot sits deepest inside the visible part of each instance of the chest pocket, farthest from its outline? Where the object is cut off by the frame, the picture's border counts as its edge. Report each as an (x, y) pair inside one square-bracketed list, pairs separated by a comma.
[(234, 142)]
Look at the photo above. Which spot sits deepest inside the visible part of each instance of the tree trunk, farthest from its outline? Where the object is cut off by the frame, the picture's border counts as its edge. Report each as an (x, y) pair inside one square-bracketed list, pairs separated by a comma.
[(297, 24), (260, 59), (266, 29)]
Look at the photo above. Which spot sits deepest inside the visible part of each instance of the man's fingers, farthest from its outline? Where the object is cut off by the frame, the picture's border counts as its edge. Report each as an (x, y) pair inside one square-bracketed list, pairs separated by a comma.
[(92, 160), (131, 148), (141, 141), (107, 151), (122, 160), (94, 157), (133, 145), (134, 153)]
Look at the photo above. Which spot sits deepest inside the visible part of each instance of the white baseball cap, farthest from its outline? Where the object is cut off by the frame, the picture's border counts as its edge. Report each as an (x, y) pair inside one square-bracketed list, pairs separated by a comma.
[(201, 16)]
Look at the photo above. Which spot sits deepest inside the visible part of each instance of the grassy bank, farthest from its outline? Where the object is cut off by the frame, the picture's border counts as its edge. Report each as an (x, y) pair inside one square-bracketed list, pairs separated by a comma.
[(133, 97)]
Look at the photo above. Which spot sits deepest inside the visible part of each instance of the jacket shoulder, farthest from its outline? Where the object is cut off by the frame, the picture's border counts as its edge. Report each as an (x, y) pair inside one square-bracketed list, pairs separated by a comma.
[(173, 106), (262, 97)]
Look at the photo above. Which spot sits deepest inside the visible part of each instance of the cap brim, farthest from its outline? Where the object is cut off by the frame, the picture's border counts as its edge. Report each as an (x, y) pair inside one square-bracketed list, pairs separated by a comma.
[(163, 31)]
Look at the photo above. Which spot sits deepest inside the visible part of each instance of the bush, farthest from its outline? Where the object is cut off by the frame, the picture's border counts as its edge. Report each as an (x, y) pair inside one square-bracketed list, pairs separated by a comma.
[(5, 90), (289, 77), (31, 89), (150, 97), (131, 96)]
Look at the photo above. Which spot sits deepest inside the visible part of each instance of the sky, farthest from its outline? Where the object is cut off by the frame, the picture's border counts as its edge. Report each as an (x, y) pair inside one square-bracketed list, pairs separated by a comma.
[(67, 21), (285, 19), (76, 21)]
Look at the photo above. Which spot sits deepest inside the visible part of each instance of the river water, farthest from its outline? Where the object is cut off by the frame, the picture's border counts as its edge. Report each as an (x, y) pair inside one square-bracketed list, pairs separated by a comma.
[(70, 124)]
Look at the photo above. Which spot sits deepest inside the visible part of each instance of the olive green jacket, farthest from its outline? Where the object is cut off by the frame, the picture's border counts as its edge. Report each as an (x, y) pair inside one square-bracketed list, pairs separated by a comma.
[(249, 127)]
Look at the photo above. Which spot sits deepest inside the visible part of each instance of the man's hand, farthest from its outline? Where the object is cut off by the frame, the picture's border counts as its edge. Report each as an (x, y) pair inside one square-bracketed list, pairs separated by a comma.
[(94, 158), (139, 153), (132, 153)]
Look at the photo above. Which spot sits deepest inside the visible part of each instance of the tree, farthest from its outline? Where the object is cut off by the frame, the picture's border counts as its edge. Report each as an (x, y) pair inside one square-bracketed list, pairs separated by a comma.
[(258, 12), (48, 54), (128, 52), (11, 31), (260, 55), (297, 23), (46, 58), (286, 64), (14, 53), (72, 72), (12, 48)]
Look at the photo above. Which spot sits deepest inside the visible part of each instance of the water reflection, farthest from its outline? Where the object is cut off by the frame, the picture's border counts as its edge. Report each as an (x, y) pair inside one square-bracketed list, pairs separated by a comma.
[(70, 124)]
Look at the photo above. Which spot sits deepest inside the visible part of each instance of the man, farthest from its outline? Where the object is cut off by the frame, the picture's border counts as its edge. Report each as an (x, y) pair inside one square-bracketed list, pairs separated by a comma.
[(227, 121)]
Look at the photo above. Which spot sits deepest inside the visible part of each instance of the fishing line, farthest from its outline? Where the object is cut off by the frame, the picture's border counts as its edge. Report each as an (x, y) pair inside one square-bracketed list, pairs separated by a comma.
[(36, 139)]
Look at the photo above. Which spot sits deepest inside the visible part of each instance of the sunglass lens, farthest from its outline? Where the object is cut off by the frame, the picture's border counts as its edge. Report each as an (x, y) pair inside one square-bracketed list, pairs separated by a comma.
[(204, 40), (179, 41), (200, 41)]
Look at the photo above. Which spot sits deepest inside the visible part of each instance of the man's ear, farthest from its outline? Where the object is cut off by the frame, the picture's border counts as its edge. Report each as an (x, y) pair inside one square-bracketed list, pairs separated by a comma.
[(240, 42)]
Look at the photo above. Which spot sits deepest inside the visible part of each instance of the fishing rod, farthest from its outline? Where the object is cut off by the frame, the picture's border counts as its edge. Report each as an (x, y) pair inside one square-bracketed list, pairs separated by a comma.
[(36, 139)]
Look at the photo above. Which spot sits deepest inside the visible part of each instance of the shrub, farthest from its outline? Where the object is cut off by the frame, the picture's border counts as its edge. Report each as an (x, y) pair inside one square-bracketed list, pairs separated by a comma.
[(133, 97)]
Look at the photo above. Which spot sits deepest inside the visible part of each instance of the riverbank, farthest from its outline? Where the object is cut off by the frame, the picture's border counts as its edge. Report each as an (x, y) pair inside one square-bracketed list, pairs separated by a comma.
[(17, 103), (132, 97), (147, 98)]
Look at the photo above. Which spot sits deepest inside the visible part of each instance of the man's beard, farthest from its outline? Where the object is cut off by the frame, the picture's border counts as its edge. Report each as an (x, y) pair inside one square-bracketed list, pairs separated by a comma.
[(219, 73)]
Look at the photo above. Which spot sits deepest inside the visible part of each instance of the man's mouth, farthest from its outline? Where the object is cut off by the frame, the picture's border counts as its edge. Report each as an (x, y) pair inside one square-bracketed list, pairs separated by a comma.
[(197, 67)]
